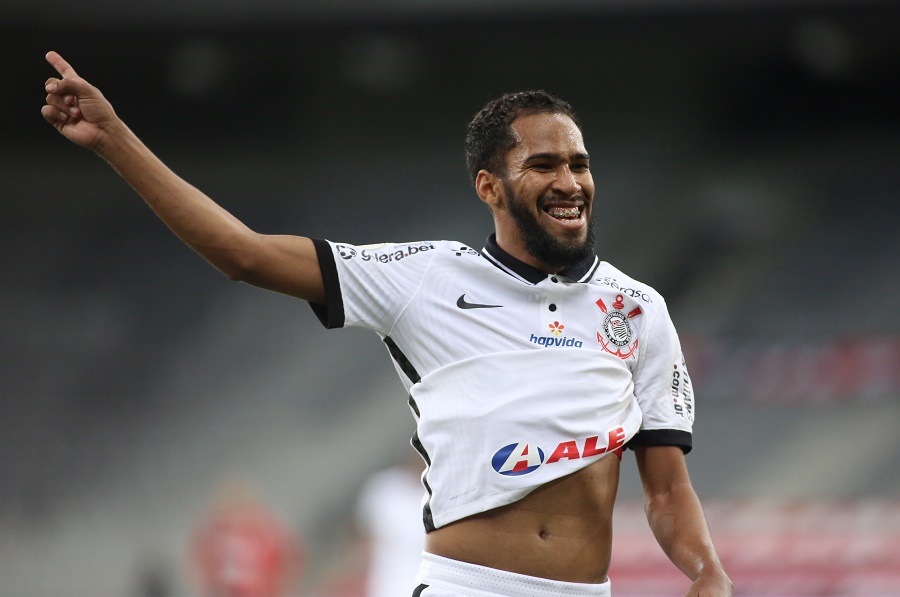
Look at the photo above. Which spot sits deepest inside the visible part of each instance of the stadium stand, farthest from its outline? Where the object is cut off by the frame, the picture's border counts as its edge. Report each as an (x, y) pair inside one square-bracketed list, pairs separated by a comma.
[(760, 199)]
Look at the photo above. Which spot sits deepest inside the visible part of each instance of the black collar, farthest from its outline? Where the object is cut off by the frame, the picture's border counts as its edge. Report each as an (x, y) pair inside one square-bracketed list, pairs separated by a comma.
[(580, 272)]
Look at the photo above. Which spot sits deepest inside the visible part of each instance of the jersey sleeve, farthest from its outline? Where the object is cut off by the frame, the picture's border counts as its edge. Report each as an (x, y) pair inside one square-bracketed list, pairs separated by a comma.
[(663, 388), (369, 286)]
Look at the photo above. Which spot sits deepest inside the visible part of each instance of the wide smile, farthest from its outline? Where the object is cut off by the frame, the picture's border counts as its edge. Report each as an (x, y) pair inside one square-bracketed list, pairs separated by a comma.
[(570, 217)]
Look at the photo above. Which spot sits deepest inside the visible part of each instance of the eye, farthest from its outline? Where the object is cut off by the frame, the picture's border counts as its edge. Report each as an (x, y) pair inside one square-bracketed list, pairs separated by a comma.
[(579, 167)]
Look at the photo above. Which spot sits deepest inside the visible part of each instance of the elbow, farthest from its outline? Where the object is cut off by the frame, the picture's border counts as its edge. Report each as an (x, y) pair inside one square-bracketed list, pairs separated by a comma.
[(234, 274), (237, 266), (237, 260), (237, 270), (653, 505)]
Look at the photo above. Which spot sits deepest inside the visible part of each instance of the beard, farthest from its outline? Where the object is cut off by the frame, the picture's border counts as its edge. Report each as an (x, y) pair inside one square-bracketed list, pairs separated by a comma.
[(539, 242)]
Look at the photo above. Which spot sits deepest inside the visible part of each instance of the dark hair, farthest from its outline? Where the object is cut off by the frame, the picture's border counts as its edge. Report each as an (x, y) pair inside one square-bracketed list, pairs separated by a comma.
[(489, 136)]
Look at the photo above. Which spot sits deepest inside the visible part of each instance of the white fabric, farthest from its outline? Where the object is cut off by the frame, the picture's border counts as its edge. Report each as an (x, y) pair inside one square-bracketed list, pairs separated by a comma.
[(545, 373), (451, 578)]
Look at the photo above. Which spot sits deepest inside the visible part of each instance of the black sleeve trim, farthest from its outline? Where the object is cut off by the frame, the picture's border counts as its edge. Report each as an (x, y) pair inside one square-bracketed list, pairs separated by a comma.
[(662, 437), (331, 314)]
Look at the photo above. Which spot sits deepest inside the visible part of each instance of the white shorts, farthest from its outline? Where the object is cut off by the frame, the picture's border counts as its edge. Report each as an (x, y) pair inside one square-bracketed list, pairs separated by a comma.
[(443, 577)]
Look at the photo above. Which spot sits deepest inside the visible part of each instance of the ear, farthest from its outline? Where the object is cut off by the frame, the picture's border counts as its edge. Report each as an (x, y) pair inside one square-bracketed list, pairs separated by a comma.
[(489, 188)]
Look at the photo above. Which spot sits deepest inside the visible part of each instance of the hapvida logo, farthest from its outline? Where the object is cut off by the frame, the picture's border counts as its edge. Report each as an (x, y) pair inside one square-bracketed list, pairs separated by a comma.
[(522, 458), (553, 341)]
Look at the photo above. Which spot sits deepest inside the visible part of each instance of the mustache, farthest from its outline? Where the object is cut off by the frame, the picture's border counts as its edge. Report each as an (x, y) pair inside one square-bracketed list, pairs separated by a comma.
[(551, 198)]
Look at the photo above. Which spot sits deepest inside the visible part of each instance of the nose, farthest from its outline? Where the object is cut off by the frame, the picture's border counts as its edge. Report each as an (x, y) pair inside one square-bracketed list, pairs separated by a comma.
[(565, 181)]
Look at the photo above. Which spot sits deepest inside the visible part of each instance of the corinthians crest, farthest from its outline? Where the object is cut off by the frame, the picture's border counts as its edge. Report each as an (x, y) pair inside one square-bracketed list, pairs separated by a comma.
[(616, 332)]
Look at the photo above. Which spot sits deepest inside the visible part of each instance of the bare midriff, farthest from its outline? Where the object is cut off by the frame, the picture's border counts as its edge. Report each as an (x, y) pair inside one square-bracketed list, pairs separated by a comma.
[(560, 531)]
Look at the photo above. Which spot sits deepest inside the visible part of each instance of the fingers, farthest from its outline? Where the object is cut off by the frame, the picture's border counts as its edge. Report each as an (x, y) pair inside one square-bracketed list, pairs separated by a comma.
[(60, 86), (52, 115), (74, 106), (65, 104), (62, 67), (70, 81), (70, 85), (57, 111)]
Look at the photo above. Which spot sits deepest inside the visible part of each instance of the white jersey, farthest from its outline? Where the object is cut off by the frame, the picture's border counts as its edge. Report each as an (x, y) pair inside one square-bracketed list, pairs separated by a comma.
[(515, 377)]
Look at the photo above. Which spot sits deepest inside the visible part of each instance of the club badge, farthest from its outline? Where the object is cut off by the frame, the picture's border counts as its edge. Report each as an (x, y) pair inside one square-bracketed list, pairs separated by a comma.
[(616, 332)]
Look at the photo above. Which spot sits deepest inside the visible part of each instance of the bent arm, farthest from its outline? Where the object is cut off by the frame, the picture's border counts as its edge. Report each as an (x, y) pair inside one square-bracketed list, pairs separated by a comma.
[(282, 263), (676, 518)]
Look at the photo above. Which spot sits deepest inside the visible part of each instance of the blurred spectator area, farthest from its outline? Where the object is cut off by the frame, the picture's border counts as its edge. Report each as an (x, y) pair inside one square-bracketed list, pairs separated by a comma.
[(746, 167), (774, 547)]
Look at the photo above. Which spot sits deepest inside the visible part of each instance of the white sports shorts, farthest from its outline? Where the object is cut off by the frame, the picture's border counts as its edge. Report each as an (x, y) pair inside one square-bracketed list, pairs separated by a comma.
[(443, 577)]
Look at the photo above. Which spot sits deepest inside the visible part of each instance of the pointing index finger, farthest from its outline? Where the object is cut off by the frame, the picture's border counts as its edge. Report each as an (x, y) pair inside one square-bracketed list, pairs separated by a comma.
[(62, 67)]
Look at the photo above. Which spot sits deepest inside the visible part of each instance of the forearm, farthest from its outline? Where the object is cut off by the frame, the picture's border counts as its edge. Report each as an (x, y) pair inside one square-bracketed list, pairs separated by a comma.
[(196, 219), (680, 527), (677, 520)]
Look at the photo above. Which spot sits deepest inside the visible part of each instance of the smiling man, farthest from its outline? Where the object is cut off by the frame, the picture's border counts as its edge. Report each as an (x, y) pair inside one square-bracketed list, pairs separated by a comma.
[(541, 193), (530, 364)]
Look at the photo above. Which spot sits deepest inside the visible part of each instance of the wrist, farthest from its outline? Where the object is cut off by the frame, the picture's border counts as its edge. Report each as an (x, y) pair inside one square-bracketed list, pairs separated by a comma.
[(715, 574), (112, 139)]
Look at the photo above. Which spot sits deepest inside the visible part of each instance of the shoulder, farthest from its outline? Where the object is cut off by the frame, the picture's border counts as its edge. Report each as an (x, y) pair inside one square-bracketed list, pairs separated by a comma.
[(447, 252), (403, 255), (391, 251), (611, 277)]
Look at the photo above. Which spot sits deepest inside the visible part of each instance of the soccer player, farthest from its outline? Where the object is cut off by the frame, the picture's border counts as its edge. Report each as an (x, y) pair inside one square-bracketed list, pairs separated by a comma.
[(530, 364), (240, 548)]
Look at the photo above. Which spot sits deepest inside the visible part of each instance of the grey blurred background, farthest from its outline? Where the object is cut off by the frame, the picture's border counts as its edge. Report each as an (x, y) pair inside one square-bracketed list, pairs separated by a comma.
[(746, 158)]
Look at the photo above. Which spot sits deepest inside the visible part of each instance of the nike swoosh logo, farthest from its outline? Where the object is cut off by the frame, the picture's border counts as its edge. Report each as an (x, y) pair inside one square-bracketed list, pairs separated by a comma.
[(462, 304)]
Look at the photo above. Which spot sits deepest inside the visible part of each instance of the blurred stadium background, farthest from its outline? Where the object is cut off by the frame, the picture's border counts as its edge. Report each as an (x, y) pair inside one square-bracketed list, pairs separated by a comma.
[(747, 158)]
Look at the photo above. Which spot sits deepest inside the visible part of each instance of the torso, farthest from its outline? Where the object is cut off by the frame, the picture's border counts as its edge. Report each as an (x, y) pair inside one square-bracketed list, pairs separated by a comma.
[(561, 531), (523, 386)]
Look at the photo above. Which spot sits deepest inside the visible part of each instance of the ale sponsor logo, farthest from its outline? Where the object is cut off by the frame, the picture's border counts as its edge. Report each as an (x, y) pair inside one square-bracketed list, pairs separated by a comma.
[(521, 458)]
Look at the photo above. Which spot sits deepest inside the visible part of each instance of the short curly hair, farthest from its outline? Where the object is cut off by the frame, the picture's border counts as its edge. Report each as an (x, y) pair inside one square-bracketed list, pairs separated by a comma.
[(489, 136)]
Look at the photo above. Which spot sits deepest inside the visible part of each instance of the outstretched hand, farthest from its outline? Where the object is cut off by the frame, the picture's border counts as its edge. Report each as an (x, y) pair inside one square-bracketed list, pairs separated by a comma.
[(74, 107)]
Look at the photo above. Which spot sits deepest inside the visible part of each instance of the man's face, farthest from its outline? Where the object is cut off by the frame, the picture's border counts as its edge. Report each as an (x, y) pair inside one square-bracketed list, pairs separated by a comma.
[(556, 252), (549, 191)]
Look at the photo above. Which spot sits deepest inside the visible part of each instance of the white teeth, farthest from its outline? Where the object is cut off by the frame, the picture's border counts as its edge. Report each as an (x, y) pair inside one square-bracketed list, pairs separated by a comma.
[(565, 212)]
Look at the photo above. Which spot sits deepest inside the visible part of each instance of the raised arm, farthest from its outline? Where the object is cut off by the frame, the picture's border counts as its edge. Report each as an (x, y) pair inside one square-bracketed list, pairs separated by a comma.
[(281, 263), (677, 520)]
